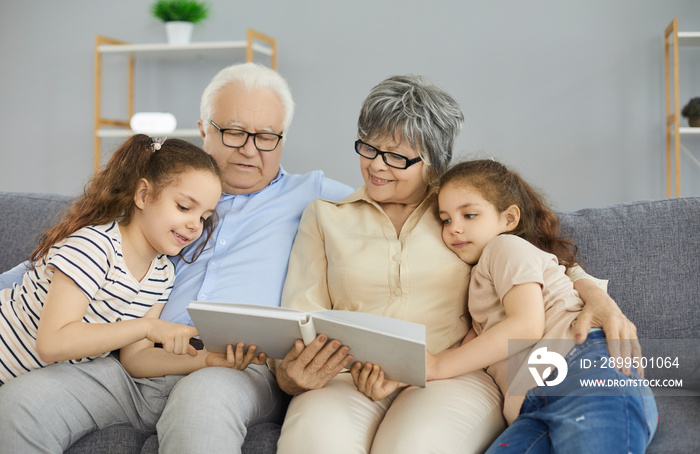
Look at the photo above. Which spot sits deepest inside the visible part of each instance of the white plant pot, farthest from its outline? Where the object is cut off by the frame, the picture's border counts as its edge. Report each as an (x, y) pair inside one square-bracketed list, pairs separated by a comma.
[(179, 32)]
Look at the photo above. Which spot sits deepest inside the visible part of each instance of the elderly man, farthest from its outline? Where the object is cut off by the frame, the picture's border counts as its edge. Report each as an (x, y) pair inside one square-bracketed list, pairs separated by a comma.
[(245, 114)]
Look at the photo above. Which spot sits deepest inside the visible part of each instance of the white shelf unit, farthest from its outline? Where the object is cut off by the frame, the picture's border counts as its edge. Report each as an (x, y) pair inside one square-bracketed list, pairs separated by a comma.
[(673, 39), (255, 43)]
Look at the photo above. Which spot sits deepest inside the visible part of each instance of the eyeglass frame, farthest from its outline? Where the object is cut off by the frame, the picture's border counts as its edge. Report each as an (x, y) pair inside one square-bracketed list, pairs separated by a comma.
[(248, 135), (409, 161)]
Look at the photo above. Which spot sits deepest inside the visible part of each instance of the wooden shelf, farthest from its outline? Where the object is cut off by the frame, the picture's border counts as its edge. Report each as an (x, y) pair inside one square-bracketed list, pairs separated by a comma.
[(673, 39), (181, 50), (124, 133), (689, 38), (255, 43)]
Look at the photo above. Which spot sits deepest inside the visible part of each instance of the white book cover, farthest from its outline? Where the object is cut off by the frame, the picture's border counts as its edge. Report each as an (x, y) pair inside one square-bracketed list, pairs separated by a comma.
[(397, 346)]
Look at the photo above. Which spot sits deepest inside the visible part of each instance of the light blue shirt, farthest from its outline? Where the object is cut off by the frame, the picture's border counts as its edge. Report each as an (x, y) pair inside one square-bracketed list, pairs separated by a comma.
[(13, 276), (246, 261)]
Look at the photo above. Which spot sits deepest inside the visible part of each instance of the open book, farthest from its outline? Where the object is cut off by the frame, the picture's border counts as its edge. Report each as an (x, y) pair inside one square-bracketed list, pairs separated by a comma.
[(397, 346)]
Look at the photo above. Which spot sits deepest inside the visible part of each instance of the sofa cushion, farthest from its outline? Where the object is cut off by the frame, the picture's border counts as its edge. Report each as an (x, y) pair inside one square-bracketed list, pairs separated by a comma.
[(679, 417), (650, 253), (23, 217), (117, 439)]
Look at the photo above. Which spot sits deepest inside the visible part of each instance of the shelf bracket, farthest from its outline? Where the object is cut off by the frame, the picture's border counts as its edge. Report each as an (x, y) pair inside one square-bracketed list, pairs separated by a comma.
[(251, 36), (672, 119)]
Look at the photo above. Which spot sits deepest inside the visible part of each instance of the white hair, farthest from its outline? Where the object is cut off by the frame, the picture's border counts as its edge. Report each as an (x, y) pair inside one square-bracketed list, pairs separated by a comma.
[(252, 75)]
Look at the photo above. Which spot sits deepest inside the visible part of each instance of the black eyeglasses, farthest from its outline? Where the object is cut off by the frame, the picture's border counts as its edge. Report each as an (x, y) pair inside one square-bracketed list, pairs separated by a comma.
[(237, 138), (394, 160)]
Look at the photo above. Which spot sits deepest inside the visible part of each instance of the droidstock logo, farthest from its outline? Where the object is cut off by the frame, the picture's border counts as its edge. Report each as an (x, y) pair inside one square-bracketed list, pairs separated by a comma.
[(542, 356)]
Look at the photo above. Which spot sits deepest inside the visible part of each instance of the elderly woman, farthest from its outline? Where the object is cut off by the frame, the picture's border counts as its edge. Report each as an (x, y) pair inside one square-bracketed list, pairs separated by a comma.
[(380, 251)]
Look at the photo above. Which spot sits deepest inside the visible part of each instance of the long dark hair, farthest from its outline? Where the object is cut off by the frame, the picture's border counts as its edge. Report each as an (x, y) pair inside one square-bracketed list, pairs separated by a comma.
[(503, 187), (109, 195)]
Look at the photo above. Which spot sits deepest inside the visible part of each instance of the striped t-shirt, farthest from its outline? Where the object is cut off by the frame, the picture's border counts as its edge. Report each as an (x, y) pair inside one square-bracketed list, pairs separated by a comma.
[(92, 258)]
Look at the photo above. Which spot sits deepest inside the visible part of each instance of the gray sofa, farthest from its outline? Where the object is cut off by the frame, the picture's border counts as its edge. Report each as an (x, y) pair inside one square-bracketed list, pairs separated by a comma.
[(650, 252)]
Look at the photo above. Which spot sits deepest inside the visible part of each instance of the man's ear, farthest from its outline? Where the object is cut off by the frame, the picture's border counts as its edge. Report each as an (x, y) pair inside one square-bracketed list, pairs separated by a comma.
[(141, 193), (201, 128), (512, 217)]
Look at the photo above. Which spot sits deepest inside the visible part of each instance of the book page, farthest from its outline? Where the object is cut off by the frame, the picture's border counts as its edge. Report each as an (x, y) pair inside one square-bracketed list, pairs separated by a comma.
[(397, 346), (307, 330), (393, 326), (250, 309), (272, 329)]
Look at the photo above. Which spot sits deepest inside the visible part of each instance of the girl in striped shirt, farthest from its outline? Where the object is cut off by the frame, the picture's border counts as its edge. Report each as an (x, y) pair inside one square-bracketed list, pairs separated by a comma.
[(100, 276)]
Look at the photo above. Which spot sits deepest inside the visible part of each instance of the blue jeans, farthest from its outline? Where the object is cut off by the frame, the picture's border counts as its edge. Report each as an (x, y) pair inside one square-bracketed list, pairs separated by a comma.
[(570, 418)]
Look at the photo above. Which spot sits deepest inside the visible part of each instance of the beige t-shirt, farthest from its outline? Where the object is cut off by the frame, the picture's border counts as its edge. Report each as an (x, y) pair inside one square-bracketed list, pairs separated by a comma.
[(507, 261), (347, 256)]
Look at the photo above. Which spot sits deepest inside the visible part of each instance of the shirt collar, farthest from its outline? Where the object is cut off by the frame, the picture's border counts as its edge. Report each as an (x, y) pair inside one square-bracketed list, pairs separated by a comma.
[(281, 174), (361, 195)]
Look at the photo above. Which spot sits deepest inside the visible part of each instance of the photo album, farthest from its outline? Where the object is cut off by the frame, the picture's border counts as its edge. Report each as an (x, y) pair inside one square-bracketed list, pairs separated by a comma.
[(397, 346)]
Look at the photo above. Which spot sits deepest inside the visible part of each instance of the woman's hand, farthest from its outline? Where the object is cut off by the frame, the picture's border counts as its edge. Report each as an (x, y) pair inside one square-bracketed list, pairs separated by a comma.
[(369, 380), (312, 366), (601, 311), (235, 359)]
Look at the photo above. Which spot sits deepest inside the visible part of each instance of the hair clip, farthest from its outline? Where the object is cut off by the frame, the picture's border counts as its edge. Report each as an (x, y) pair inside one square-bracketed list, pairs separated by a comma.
[(156, 144)]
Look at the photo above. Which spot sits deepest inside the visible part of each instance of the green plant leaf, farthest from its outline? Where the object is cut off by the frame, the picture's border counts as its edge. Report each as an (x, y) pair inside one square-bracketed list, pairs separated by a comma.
[(180, 10), (692, 109)]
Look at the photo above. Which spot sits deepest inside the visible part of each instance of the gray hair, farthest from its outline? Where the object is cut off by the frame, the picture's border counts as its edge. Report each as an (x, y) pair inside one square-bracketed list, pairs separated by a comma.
[(252, 75), (422, 113)]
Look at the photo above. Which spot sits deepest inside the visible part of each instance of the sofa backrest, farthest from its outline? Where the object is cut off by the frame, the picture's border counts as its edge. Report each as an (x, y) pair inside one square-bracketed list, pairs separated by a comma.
[(23, 217), (650, 252)]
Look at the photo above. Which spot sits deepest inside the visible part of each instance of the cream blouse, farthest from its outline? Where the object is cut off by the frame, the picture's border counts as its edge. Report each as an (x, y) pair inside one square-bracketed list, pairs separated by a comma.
[(347, 256)]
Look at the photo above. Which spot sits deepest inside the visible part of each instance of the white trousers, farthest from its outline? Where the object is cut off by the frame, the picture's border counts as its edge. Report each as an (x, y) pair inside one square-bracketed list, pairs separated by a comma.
[(458, 415)]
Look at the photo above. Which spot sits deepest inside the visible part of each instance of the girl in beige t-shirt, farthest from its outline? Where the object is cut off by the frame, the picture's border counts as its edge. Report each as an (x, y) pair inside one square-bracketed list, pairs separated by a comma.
[(522, 303)]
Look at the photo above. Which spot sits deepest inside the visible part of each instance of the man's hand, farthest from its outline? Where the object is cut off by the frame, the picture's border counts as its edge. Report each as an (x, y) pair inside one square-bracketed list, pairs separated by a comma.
[(313, 366), (235, 359), (369, 380), (601, 311)]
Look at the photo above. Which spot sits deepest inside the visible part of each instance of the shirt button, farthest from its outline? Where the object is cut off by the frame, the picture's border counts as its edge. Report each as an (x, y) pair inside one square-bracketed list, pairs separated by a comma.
[(202, 297), (213, 265), (222, 242), (397, 257), (397, 292), (119, 319)]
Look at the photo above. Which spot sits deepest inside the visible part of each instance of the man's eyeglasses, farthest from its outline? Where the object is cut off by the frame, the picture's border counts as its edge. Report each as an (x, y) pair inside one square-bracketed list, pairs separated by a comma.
[(237, 138), (394, 160)]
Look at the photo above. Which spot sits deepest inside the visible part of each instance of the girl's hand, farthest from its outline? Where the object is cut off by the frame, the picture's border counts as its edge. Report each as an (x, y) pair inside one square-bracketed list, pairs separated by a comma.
[(174, 336), (370, 381), (235, 359), (471, 335), (431, 365)]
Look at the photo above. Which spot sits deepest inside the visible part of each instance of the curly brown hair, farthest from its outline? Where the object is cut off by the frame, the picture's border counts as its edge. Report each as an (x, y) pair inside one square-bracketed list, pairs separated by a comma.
[(109, 195), (503, 187)]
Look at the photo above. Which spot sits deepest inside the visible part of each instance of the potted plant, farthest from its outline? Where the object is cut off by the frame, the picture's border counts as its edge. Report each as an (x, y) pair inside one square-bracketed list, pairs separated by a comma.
[(691, 111), (179, 17)]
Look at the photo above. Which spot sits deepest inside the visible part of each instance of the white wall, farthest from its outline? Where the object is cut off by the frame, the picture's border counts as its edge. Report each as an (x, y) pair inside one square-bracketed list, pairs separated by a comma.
[(569, 92)]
